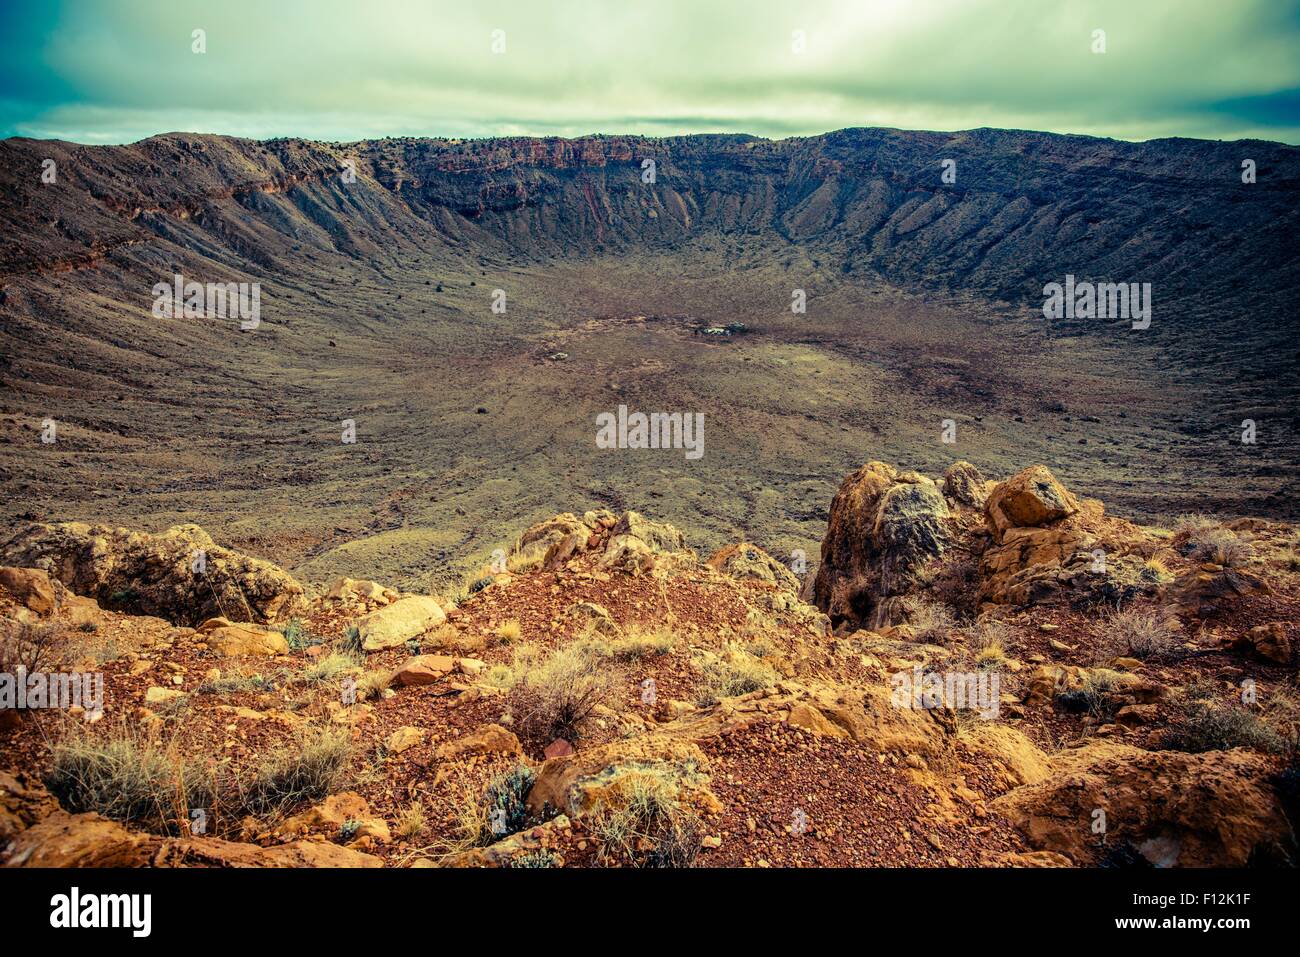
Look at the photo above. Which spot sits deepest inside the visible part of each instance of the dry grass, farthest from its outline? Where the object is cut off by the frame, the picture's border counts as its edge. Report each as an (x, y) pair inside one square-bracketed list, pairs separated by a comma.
[(331, 667), (553, 696), (730, 673), (932, 622), (306, 770), (510, 631), (649, 826), (1143, 633), (126, 776), (411, 821), (638, 642)]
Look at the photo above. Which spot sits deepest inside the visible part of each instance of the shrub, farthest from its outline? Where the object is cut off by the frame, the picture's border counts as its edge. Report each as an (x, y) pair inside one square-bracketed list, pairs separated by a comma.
[(554, 697), (350, 643), (505, 799), (1207, 726), (29, 645), (932, 622), (510, 631), (650, 827), (1146, 635), (731, 673), (535, 859), (1093, 696), (308, 769), (330, 668), (125, 777), (1203, 539), (295, 634)]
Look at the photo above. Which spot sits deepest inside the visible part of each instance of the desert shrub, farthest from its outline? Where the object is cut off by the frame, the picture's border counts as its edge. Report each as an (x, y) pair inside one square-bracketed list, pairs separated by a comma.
[(539, 859), (350, 642), (1094, 696), (296, 635), (932, 622), (510, 631), (32, 646), (305, 770), (330, 668), (411, 821), (650, 826), (553, 697), (731, 673), (1203, 539), (954, 581), (1145, 634), (1209, 726), (126, 777), (506, 801)]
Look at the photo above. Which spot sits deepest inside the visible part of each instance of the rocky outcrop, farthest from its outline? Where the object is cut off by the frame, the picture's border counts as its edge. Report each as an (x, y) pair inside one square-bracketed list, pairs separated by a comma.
[(1173, 809), (965, 485), (88, 840), (181, 575), (1032, 498), (884, 527), (747, 562)]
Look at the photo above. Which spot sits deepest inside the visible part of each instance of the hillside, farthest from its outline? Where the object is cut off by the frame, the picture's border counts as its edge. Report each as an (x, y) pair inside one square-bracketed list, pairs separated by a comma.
[(977, 674)]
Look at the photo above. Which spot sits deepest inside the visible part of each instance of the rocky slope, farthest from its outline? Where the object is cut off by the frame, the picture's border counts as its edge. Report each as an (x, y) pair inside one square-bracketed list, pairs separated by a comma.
[(985, 673)]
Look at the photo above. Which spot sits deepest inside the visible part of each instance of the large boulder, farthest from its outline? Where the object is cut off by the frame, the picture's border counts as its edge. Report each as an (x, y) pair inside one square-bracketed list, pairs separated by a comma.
[(1032, 498), (399, 622), (231, 640), (1174, 809), (30, 587), (181, 575), (884, 527), (965, 485)]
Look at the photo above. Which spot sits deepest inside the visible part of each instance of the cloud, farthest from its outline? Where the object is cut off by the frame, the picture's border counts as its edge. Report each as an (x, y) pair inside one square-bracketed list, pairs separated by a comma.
[(104, 71)]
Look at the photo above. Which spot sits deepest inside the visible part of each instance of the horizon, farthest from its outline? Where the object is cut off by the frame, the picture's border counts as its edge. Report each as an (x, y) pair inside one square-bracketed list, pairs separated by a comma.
[(346, 141), (93, 72)]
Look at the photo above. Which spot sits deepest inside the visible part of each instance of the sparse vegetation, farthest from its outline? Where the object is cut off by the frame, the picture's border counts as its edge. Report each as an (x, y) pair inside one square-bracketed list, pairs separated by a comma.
[(932, 622), (636, 643), (649, 826), (509, 631), (732, 672), (330, 668), (1212, 726), (535, 859), (307, 769), (235, 682), (1094, 696), (295, 634), (411, 821), (553, 697), (126, 777), (1146, 634)]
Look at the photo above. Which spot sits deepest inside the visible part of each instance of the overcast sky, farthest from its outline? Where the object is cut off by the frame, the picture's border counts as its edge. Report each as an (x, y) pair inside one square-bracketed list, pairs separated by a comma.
[(99, 71)]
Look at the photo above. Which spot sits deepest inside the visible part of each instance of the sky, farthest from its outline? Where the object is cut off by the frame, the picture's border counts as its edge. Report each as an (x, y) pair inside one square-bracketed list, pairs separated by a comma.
[(95, 71)]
